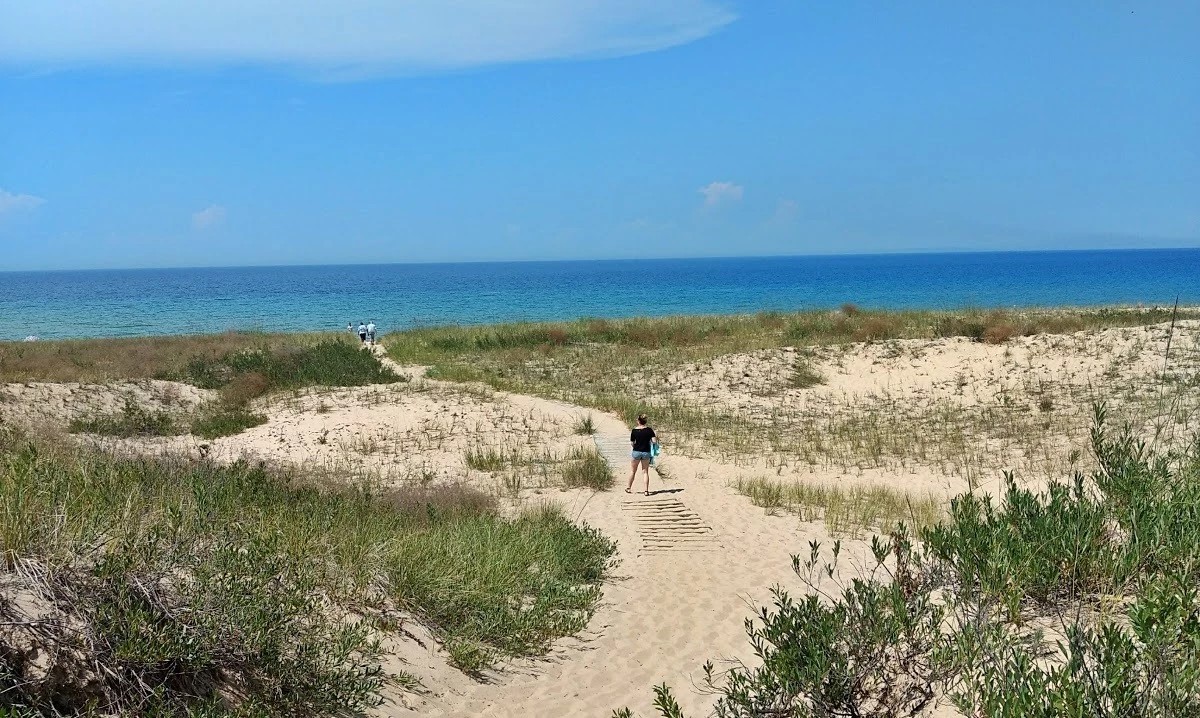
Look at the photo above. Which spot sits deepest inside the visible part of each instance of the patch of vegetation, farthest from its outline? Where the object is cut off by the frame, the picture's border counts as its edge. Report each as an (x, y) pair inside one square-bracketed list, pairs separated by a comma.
[(845, 510), (222, 420), (141, 587), (805, 375), (1081, 600), (103, 360), (594, 364), (585, 426), (488, 458), (133, 420), (245, 374), (585, 467)]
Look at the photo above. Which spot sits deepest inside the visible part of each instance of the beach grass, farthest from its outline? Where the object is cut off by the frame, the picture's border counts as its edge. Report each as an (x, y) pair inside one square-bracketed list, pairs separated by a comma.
[(103, 360), (162, 586), (621, 366), (519, 468), (846, 511), (132, 420)]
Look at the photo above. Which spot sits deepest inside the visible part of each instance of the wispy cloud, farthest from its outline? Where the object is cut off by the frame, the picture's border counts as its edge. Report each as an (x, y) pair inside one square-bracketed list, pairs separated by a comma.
[(211, 215), (357, 37), (10, 202), (719, 193)]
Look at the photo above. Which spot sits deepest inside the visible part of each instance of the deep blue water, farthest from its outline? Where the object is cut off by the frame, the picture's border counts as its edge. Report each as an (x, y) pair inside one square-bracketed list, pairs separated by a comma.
[(172, 301)]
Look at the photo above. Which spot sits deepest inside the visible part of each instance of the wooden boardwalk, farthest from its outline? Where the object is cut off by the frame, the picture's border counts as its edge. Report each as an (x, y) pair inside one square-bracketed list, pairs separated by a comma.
[(663, 521)]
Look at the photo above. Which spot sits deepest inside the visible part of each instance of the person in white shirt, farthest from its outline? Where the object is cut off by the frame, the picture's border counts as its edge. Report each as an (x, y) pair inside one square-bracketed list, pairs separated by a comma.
[(371, 332), (362, 332)]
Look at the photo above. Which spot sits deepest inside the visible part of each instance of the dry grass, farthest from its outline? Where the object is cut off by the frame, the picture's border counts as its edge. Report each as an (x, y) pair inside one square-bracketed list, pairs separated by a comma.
[(845, 511)]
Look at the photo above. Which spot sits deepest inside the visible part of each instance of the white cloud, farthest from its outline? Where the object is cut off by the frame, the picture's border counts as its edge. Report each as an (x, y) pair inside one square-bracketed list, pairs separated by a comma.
[(351, 37), (10, 202), (211, 215), (718, 193)]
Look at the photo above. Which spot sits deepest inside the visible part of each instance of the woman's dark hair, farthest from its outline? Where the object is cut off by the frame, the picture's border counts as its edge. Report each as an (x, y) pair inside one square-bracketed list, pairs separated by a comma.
[(642, 419)]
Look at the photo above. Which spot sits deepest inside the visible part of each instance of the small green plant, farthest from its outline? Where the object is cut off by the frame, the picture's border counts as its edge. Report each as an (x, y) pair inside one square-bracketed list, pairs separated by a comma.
[(132, 420)]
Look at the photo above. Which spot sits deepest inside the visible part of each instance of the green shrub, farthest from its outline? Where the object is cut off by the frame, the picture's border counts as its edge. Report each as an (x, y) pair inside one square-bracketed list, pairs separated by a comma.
[(326, 363), (952, 616), (487, 458)]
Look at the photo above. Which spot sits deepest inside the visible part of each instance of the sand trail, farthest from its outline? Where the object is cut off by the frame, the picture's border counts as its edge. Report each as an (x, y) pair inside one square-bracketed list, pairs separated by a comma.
[(695, 560)]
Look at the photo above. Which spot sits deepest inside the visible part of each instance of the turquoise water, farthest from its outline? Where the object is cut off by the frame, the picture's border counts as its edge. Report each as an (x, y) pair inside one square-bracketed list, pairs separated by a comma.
[(172, 301)]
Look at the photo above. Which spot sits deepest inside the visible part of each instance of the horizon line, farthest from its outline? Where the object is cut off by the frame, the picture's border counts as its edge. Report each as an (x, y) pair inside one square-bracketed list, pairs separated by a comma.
[(611, 259)]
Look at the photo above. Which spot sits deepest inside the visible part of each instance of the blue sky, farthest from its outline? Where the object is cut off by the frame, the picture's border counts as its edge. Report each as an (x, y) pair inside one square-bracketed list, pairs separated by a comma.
[(223, 133)]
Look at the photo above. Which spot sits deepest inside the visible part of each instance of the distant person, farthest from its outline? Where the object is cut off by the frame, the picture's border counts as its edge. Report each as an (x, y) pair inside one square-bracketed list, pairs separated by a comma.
[(362, 332), (350, 327), (371, 332), (641, 438)]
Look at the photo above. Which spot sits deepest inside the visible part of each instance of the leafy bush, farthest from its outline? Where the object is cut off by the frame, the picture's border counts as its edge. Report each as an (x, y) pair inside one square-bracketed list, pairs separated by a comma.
[(132, 420), (957, 614), (998, 333), (876, 329)]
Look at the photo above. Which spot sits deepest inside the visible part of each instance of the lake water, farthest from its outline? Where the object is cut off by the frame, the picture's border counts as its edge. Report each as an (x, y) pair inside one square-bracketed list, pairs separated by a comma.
[(173, 301)]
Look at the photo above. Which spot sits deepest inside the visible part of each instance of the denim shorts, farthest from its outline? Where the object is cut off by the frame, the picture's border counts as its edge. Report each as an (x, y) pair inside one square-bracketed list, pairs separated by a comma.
[(641, 456)]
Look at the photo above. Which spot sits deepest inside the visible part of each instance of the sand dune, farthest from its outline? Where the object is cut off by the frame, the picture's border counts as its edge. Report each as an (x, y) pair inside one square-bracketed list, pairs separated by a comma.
[(696, 558)]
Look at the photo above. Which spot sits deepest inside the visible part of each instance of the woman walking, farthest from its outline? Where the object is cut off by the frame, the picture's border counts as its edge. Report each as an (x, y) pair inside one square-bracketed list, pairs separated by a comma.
[(642, 438)]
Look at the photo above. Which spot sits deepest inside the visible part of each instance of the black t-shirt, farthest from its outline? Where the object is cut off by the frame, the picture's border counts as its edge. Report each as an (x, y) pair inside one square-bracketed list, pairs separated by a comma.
[(641, 437)]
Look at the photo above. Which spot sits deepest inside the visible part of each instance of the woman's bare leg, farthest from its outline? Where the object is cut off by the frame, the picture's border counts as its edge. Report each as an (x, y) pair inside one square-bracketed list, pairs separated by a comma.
[(632, 476), (646, 470)]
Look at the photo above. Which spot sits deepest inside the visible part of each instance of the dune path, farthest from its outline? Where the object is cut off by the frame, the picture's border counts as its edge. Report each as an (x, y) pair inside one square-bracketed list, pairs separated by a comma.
[(695, 559)]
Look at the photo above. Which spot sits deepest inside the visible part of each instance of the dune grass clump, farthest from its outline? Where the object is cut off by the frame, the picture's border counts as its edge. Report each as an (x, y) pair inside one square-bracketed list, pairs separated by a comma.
[(149, 587), (585, 426), (488, 458), (844, 510), (132, 420), (586, 468), (222, 420), (805, 375)]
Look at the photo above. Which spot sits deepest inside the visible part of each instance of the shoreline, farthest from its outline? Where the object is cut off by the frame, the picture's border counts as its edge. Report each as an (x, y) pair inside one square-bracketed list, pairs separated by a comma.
[(1032, 310)]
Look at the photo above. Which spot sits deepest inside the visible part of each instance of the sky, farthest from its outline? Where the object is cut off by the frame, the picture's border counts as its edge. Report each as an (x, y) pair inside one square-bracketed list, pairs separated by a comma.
[(249, 132)]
